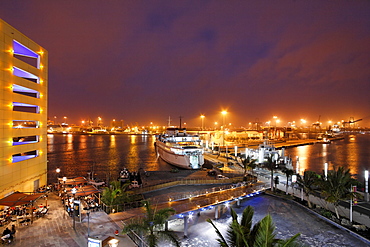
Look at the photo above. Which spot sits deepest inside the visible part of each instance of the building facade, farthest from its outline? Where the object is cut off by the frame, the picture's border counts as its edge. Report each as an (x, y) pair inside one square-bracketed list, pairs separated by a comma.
[(23, 112)]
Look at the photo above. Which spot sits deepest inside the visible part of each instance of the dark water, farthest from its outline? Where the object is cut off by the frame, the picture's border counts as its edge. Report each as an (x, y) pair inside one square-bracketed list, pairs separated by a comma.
[(106, 155)]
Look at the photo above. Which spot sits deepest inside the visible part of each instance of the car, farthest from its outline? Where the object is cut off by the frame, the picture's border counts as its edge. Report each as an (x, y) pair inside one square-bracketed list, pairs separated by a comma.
[(221, 177)]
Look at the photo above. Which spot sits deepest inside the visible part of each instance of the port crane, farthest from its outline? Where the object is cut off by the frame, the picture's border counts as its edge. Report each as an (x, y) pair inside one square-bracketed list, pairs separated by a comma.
[(351, 121), (318, 123)]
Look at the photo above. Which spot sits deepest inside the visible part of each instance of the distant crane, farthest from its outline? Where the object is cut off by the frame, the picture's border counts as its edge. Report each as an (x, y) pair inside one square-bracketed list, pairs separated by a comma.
[(351, 121), (317, 124)]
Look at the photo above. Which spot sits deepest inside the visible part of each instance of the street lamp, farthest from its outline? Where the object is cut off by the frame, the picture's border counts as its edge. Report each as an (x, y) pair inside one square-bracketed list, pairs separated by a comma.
[(88, 219), (367, 185), (58, 171), (223, 118), (74, 190), (223, 126), (202, 120)]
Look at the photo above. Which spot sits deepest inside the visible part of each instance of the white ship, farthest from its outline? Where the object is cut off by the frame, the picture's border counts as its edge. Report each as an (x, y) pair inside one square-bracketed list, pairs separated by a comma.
[(180, 149)]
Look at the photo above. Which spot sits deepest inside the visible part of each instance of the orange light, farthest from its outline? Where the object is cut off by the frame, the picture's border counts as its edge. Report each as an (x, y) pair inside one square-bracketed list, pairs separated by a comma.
[(41, 52)]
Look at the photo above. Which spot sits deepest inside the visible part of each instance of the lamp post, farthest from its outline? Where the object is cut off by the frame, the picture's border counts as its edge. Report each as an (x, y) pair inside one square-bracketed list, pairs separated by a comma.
[(88, 219), (223, 127), (58, 171), (275, 118), (202, 120), (74, 190), (367, 185)]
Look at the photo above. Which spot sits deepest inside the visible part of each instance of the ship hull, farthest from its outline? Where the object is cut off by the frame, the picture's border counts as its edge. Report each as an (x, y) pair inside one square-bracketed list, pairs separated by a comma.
[(184, 161)]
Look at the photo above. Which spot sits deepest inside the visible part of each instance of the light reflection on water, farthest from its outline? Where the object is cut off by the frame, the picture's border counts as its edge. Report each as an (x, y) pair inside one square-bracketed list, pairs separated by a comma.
[(352, 153), (76, 155), (106, 155)]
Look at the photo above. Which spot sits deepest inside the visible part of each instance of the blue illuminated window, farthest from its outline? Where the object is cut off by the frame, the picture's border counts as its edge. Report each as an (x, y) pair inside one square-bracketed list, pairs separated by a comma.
[(24, 156), (22, 107), (25, 54), (25, 91), (21, 140), (25, 75)]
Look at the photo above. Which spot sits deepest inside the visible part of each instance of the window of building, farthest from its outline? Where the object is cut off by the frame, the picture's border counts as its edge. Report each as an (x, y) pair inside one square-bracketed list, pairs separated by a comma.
[(25, 75), (24, 156), (25, 54), (20, 140), (25, 91), (24, 124), (22, 107)]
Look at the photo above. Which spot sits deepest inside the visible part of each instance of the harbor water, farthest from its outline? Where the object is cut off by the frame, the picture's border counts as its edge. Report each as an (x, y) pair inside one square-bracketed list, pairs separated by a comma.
[(103, 156)]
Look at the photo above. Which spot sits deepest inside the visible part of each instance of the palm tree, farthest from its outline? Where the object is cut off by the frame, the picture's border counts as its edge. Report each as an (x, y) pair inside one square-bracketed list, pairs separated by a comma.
[(307, 183), (337, 186), (151, 226), (115, 194), (249, 164), (271, 165), (242, 234), (288, 173)]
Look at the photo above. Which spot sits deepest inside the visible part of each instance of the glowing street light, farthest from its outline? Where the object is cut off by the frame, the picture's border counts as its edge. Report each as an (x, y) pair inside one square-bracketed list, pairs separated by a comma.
[(202, 120), (303, 121), (223, 118)]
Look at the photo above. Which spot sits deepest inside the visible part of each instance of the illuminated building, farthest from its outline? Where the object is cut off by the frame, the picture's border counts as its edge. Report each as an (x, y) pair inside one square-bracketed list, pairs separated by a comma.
[(23, 112)]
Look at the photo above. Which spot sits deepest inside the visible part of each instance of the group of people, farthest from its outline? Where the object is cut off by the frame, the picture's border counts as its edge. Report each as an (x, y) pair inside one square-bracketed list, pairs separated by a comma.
[(125, 175), (8, 234), (7, 214)]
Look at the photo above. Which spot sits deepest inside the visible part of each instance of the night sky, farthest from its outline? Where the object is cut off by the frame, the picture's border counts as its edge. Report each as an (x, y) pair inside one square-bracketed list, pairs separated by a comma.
[(143, 61)]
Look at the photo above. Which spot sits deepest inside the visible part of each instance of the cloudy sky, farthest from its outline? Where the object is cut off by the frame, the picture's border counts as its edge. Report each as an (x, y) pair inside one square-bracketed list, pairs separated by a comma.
[(143, 61)]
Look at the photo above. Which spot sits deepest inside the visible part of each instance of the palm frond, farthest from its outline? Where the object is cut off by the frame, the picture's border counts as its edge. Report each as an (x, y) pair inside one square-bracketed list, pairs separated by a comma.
[(265, 234), (221, 240)]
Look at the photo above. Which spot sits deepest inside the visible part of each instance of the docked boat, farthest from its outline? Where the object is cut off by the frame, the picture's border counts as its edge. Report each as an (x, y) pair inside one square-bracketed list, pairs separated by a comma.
[(180, 149)]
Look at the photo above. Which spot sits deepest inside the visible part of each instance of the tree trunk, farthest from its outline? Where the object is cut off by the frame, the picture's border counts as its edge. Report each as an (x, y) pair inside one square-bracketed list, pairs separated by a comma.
[(272, 180), (286, 189), (336, 212), (308, 200)]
